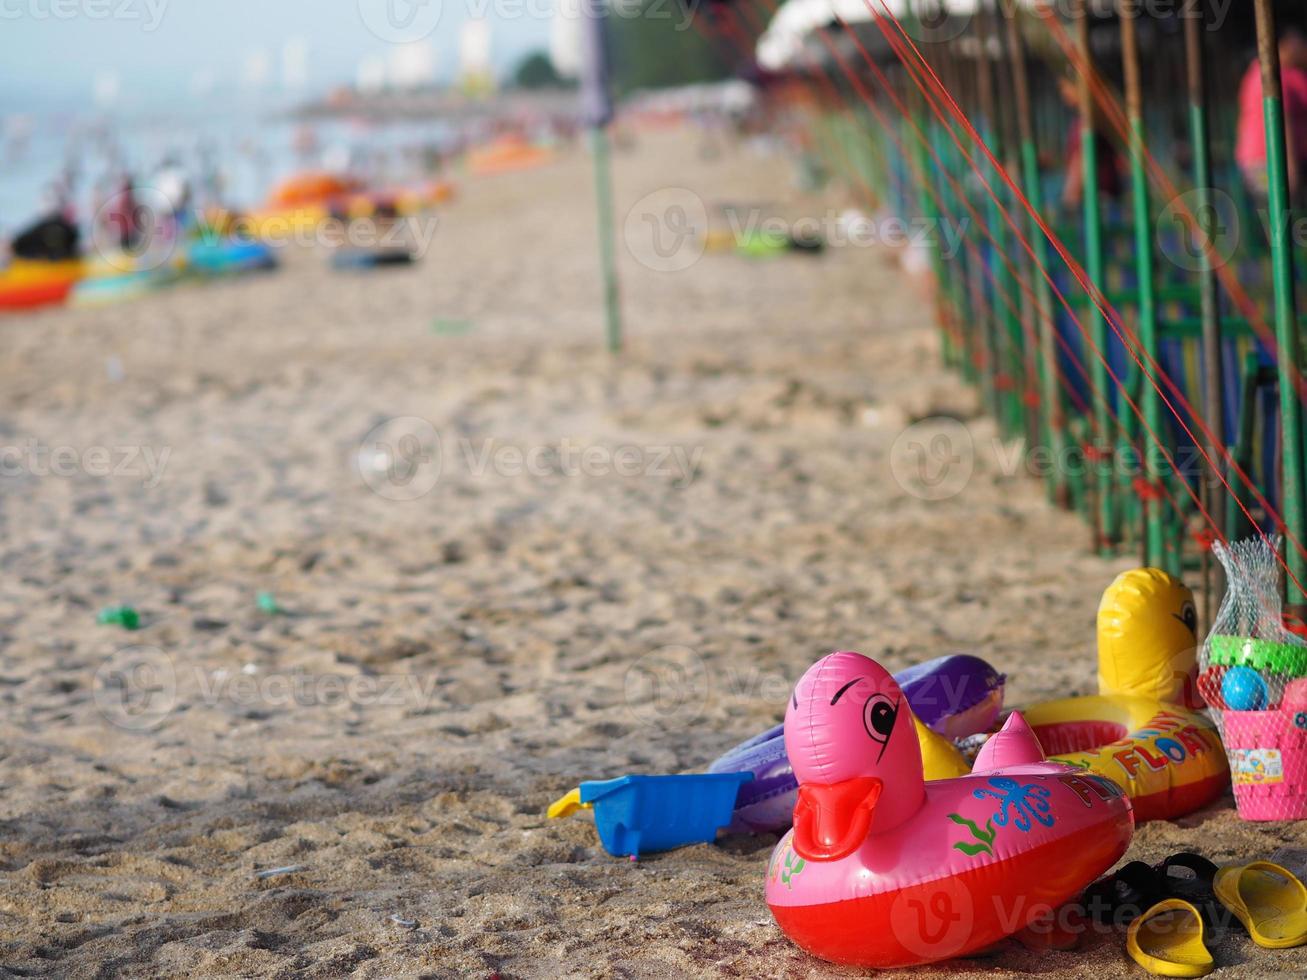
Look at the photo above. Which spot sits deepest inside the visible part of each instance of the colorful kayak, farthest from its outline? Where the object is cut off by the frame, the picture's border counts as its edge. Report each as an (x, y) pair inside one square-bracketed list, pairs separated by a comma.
[(371, 258), (102, 290), (227, 257), (508, 154), (312, 187), (283, 224), (29, 284), (31, 271), (21, 296), (380, 203)]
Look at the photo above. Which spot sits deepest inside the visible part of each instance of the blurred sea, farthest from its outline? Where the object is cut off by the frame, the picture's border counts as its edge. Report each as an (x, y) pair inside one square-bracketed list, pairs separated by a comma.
[(233, 156)]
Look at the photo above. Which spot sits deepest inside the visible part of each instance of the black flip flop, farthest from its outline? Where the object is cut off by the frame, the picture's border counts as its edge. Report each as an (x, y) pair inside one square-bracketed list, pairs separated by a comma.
[(1195, 887), (1123, 896), (1137, 887)]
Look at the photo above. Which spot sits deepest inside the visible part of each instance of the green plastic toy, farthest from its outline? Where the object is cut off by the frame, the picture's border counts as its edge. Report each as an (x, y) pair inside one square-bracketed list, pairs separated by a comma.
[(124, 616)]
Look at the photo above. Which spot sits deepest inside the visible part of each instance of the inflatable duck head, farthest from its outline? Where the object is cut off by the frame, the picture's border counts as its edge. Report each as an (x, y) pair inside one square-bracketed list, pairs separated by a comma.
[(852, 741), (1148, 637)]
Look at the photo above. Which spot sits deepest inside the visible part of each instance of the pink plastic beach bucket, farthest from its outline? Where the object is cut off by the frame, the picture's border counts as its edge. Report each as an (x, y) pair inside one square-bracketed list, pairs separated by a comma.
[(1268, 762)]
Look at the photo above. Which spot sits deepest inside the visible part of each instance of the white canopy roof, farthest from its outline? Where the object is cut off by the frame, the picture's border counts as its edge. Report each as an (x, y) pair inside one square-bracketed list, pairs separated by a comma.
[(782, 42)]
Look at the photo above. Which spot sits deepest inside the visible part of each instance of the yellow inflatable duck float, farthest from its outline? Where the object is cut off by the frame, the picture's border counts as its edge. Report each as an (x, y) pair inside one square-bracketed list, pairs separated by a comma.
[(1142, 729)]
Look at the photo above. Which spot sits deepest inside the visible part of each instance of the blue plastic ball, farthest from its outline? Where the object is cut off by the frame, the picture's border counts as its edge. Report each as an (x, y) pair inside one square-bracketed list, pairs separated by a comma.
[(1244, 689)]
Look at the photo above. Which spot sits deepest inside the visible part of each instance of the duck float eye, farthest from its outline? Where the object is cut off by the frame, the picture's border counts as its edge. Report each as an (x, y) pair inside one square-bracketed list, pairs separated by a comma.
[(878, 717), (1189, 616)]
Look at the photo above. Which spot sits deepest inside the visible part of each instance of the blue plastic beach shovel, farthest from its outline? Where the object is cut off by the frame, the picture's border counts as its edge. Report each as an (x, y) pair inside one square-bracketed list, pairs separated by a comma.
[(640, 814)]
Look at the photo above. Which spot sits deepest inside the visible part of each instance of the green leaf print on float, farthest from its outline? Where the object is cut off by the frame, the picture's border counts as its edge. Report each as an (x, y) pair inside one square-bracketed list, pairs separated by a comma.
[(984, 838)]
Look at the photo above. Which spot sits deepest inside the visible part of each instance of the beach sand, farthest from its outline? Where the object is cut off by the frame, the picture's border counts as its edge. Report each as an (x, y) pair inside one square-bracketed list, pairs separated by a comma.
[(445, 666)]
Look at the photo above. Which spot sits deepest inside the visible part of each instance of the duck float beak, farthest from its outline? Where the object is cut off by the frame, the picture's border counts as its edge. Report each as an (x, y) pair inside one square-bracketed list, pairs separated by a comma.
[(831, 821)]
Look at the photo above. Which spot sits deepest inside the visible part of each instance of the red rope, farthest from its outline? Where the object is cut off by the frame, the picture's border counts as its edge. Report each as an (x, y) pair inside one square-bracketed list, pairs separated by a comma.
[(884, 82), (1113, 319), (1108, 101), (865, 96)]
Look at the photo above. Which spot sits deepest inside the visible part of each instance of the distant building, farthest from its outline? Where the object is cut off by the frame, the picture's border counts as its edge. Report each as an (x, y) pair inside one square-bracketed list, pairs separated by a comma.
[(411, 66), (475, 74), (565, 38)]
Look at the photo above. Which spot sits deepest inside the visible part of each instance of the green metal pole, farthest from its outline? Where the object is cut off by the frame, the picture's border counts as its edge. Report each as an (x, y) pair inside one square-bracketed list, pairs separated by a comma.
[(1052, 418), (1026, 313), (607, 247), (1209, 298), (877, 156), (945, 284), (1286, 321), (950, 203), (1013, 406), (1155, 551), (951, 278), (997, 402), (1105, 512)]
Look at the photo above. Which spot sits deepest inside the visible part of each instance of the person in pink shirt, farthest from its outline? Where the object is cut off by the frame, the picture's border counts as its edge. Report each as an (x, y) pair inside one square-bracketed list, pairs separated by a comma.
[(1250, 144), (1111, 171)]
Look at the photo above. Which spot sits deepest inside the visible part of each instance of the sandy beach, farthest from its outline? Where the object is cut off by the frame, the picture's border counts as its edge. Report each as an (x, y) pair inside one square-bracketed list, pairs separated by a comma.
[(356, 785)]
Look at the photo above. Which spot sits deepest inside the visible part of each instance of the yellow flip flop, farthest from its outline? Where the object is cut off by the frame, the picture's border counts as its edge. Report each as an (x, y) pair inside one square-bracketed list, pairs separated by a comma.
[(1167, 940), (1270, 901)]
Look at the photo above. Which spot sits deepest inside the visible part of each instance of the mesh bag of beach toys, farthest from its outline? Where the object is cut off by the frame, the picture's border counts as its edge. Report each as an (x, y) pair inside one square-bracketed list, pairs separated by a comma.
[(1254, 677)]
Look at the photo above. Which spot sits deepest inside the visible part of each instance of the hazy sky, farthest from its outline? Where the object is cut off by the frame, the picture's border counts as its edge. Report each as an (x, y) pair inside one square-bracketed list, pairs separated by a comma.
[(141, 54)]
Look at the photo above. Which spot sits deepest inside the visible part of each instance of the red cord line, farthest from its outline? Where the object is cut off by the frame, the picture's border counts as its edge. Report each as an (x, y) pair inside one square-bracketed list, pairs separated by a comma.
[(1112, 318)]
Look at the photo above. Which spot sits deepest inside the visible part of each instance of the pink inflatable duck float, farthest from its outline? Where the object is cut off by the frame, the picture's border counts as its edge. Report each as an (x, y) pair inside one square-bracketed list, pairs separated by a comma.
[(883, 869)]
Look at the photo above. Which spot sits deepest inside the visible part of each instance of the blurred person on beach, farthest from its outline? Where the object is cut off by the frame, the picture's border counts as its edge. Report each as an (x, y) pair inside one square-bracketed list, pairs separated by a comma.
[(173, 185), (1111, 176), (1250, 141), (118, 223), (212, 181)]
